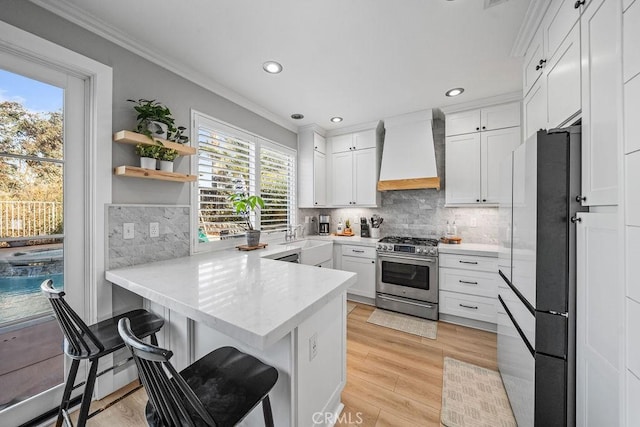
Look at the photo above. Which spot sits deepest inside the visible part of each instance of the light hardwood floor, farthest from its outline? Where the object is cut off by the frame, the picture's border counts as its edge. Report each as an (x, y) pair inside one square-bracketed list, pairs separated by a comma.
[(393, 378)]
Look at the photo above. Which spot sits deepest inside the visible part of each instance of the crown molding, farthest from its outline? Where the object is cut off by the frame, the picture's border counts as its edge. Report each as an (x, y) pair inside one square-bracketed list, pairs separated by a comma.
[(312, 128), (89, 22), (484, 102), (532, 19), (353, 128)]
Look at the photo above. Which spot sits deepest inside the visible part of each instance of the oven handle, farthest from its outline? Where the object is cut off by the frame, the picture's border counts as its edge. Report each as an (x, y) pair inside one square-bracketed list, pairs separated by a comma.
[(404, 257), (404, 301)]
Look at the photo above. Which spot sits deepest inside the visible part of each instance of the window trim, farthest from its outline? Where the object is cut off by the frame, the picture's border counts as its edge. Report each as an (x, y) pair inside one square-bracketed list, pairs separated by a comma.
[(197, 118)]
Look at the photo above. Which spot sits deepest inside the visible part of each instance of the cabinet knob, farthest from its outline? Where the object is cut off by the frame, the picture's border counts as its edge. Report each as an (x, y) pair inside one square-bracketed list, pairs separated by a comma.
[(484, 200), (315, 203), (477, 200), (484, 127), (477, 128), (315, 148), (580, 199), (578, 4), (575, 219)]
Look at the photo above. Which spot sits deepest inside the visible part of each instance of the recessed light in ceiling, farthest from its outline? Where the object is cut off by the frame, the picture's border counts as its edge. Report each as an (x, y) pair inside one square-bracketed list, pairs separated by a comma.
[(336, 119), (297, 116), (272, 67), (454, 92)]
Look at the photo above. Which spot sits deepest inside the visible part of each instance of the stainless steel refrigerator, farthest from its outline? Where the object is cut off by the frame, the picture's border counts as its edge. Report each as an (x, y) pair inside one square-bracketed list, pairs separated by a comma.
[(536, 310)]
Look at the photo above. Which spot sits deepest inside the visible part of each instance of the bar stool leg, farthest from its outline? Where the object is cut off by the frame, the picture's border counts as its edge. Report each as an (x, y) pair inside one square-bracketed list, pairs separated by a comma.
[(266, 412), (66, 395), (88, 393)]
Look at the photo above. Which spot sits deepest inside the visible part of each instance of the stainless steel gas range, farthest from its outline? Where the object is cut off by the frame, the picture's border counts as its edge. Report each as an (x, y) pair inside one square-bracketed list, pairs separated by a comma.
[(407, 279)]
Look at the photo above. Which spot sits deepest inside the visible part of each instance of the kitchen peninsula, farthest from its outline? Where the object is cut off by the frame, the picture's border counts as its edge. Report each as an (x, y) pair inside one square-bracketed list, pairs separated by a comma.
[(291, 316)]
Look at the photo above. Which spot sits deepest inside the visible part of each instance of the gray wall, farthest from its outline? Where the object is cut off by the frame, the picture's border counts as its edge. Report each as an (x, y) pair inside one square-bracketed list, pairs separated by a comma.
[(133, 78), (421, 213)]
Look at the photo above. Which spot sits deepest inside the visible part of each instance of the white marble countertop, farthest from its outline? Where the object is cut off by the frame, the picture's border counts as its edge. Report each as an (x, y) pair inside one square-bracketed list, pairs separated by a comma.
[(241, 294), (479, 249)]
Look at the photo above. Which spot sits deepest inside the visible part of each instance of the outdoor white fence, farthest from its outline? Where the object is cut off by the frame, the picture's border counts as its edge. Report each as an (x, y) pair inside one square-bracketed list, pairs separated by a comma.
[(29, 218)]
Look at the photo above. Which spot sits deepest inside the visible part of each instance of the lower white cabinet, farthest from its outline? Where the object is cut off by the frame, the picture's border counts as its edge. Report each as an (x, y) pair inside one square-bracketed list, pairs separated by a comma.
[(361, 260), (469, 287)]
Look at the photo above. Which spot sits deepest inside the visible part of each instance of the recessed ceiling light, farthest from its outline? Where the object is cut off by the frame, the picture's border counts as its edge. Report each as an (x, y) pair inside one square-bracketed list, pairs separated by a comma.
[(297, 116), (454, 92), (336, 119), (272, 67)]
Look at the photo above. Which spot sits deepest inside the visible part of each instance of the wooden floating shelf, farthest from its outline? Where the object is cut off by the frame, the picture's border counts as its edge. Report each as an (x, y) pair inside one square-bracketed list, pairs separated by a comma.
[(135, 172), (134, 138)]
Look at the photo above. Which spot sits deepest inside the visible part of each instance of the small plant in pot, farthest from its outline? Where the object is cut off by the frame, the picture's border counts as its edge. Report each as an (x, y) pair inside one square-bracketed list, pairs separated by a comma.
[(154, 119), (148, 155), (243, 205), (166, 157)]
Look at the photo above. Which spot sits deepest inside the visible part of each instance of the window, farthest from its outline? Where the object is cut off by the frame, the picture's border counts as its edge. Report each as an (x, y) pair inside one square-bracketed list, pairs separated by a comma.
[(232, 161)]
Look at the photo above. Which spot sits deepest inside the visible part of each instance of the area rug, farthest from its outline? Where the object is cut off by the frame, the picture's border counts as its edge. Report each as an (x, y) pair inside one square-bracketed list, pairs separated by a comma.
[(350, 307), (402, 322), (473, 396)]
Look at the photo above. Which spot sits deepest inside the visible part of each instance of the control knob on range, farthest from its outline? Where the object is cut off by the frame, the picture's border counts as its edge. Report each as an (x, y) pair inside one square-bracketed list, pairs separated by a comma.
[(418, 250)]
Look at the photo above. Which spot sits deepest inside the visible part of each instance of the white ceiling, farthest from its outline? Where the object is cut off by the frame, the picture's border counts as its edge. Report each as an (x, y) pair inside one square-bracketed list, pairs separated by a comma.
[(363, 60)]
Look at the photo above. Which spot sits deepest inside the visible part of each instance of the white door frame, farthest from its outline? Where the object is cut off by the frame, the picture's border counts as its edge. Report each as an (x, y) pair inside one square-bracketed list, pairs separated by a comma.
[(97, 171)]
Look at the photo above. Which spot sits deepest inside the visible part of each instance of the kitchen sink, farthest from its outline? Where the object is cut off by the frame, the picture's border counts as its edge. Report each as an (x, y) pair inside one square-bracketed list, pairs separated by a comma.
[(313, 252)]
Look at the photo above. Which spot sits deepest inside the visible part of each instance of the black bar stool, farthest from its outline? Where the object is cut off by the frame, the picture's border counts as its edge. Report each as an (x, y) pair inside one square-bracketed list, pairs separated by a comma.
[(90, 343), (220, 389)]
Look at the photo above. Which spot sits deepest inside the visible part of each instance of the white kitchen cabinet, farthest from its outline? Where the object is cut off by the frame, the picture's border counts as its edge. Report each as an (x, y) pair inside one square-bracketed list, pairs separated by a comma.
[(555, 99), (484, 119), (361, 260), (562, 76), (494, 147), (468, 288), (601, 43), (462, 169), (473, 165), (535, 109), (533, 62), (353, 141), (312, 169), (631, 35), (599, 317), (354, 178), (558, 21)]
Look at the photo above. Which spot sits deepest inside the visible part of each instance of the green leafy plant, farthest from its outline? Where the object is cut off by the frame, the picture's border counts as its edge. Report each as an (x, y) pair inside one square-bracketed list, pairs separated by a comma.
[(167, 154), (244, 204), (152, 111), (179, 136), (152, 151)]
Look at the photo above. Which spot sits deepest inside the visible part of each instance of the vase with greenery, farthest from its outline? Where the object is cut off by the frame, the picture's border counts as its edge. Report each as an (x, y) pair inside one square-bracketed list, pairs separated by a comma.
[(244, 205), (154, 118), (148, 155), (166, 157)]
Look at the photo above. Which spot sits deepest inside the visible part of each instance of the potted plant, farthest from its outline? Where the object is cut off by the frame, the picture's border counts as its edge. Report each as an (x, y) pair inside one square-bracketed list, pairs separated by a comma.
[(154, 119), (148, 155), (166, 157), (243, 205)]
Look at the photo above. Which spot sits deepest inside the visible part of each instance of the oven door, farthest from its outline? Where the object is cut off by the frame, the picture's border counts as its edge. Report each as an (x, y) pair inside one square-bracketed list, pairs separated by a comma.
[(408, 277)]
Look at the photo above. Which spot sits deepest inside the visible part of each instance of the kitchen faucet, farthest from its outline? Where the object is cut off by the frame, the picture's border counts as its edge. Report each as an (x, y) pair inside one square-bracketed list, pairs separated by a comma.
[(291, 234)]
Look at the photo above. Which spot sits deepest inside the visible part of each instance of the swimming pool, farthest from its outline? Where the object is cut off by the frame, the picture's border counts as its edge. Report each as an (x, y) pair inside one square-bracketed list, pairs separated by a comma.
[(21, 297)]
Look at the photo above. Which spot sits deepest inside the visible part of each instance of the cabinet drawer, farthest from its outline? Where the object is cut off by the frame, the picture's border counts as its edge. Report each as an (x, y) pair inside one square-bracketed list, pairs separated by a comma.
[(469, 282), (469, 262), (359, 251), (469, 306)]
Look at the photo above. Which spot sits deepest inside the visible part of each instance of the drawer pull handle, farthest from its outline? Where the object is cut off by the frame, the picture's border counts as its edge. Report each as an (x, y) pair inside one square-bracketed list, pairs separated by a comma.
[(473, 307), (468, 262), (467, 282), (358, 252)]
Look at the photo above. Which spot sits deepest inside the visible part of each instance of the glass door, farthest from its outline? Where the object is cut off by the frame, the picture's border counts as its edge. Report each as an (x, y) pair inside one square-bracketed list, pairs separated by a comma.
[(41, 124)]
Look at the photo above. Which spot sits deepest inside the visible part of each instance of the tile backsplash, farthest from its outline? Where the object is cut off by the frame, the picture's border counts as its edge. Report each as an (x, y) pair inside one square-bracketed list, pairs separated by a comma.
[(421, 213), (173, 241)]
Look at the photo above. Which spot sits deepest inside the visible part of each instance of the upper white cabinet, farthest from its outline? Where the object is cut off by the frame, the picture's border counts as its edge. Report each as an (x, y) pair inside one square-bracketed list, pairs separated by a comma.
[(312, 169), (485, 119), (551, 73), (354, 169), (472, 160), (601, 35)]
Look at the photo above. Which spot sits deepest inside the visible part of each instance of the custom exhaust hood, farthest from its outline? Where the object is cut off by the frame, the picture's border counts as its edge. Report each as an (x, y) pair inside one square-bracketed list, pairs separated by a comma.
[(408, 154)]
